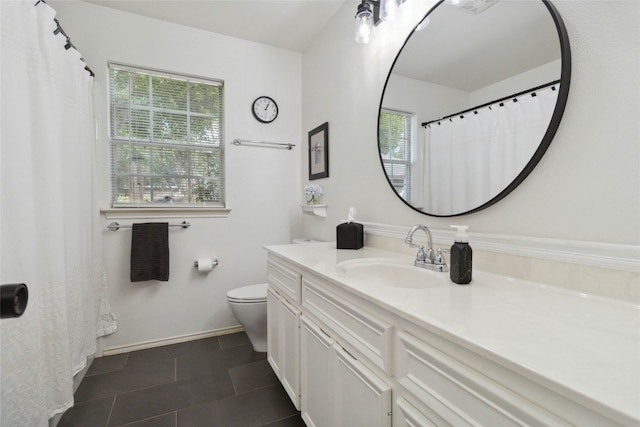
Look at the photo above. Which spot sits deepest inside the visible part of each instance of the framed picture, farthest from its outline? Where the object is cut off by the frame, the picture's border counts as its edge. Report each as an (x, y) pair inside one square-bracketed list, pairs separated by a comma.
[(319, 152)]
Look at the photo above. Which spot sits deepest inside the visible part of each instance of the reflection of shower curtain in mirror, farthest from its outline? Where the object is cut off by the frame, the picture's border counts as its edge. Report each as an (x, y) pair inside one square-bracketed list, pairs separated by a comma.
[(471, 160)]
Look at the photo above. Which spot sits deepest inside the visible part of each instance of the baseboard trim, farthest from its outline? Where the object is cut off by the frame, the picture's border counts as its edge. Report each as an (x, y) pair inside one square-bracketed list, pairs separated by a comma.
[(172, 340), (604, 255)]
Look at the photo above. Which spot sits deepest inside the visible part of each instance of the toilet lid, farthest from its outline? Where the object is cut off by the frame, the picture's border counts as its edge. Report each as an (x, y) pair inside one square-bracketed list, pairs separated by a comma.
[(251, 293)]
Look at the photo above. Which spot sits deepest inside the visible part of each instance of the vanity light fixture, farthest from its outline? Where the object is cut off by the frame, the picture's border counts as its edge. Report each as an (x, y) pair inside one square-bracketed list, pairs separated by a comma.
[(371, 13)]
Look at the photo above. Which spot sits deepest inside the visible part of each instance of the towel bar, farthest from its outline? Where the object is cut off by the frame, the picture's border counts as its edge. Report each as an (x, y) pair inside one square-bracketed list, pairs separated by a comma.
[(287, 146), (114, 226)]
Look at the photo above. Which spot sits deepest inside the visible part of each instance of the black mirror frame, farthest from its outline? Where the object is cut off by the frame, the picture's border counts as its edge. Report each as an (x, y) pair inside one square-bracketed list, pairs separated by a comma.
[(558, 112)]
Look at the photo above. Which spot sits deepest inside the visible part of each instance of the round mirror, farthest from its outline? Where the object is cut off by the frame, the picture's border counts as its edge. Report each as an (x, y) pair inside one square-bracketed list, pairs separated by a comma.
[(472, 102)]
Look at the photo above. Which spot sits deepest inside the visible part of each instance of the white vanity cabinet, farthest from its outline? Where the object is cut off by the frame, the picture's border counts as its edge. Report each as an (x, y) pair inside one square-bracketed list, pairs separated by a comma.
[(463, 388), (337, 389), (348, 359), (456, 392), (283, 327)]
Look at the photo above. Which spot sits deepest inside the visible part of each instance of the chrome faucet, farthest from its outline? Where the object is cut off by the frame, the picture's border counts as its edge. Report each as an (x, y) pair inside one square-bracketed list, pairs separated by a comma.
[(426, 259)]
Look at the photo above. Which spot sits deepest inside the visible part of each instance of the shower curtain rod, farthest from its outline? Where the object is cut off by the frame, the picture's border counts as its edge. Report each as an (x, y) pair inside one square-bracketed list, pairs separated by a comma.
[(495, 101), (69, 44)]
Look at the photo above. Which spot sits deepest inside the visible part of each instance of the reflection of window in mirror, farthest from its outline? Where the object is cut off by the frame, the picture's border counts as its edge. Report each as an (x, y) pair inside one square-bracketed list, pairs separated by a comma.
[(400, 154)]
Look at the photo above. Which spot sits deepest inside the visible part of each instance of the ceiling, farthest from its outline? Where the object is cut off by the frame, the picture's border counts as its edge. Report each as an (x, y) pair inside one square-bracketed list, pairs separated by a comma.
[(469, 52), (287, 24), (512, 35)]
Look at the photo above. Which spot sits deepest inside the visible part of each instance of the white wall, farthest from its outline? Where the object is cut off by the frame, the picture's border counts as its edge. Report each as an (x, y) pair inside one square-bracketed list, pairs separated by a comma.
[(587, 186), (415, 96), (262, 184), (529, 79)]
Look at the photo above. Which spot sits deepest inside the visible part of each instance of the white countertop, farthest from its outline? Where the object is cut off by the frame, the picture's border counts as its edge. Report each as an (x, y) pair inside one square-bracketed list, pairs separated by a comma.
[(577, 344)]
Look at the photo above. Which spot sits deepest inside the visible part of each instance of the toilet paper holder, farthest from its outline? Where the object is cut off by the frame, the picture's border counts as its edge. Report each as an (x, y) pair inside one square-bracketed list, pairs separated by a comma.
[(214, 263)]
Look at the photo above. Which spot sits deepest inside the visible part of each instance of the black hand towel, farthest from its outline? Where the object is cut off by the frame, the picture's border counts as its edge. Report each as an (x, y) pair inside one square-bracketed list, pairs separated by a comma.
[(150, 251)]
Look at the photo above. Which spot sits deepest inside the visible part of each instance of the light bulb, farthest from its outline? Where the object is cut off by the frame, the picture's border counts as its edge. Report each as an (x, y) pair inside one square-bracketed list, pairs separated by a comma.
[(364, 30), (389, 9), (364, 24)]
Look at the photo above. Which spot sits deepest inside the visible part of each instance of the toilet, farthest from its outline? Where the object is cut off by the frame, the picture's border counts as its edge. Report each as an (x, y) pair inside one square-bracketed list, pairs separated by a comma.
[(249, 306)]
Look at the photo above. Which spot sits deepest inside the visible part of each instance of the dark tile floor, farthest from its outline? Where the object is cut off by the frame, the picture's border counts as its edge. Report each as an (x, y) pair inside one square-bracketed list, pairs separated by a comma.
[(213, 382)]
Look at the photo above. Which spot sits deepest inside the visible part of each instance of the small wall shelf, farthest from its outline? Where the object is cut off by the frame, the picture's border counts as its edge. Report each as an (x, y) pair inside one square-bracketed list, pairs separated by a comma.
[(319, 210)]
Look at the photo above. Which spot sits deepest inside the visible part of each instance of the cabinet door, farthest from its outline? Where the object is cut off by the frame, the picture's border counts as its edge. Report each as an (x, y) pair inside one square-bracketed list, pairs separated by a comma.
[(315, 381), (289, 317), (360, 398), (273, 333)]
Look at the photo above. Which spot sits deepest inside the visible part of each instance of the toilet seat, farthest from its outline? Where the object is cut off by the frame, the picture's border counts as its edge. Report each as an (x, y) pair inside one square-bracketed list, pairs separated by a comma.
[(248, 294)]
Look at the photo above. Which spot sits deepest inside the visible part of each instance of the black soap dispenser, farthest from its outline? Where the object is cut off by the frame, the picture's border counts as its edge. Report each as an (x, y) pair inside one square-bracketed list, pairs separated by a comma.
[(461, 254)]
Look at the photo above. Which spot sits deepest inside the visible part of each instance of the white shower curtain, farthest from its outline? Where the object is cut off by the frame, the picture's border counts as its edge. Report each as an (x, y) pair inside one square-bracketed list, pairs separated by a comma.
[(50, 236), (471, 160)]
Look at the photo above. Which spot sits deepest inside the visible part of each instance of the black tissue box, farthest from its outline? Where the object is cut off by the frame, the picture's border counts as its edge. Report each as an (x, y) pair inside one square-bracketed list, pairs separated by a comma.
[(350, 235)]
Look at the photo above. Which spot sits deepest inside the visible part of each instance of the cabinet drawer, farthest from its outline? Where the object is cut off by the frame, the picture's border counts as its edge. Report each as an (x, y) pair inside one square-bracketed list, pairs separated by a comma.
[(284, 280), (410, 416), (460, 394), (363, 331)]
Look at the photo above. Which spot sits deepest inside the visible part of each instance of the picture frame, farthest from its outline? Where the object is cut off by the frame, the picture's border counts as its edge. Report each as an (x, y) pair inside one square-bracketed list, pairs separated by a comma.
[(319, 152)]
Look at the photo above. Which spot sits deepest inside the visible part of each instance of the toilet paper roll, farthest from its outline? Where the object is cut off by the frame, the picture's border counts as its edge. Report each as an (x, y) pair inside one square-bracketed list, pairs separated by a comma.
[(13, 300), (205, 265)]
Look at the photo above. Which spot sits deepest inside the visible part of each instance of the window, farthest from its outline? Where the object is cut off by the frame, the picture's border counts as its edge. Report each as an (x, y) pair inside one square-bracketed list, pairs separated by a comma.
[(395, 149), (166, 139)]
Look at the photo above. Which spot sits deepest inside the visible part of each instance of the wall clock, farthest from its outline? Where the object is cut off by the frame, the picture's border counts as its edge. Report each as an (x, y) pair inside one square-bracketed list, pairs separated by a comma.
[(265, 109)]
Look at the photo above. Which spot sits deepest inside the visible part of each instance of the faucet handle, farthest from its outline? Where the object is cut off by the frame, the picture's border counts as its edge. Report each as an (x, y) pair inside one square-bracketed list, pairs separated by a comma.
[(440, 257)]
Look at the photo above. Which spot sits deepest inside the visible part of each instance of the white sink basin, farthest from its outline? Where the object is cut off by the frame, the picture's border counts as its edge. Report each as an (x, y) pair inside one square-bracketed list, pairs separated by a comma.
[(392, 273)]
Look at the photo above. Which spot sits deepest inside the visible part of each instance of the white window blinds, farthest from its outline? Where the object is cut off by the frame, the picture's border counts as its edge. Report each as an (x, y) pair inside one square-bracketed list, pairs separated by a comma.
[(166, 139), (395, 139)]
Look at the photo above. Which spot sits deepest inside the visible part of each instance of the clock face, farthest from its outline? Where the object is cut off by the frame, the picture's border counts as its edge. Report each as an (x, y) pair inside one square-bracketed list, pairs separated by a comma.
[(265, 109)]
